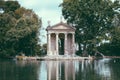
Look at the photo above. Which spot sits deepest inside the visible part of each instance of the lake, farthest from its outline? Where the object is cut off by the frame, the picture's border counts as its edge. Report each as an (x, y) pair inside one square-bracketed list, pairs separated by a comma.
[(101, 69)]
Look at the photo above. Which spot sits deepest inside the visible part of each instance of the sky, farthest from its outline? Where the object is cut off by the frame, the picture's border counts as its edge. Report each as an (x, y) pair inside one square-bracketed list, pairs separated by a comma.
[(47, 10)]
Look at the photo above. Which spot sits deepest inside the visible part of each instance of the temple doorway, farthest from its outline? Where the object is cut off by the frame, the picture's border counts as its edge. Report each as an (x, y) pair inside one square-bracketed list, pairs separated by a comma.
[(61, 44), (61, 47)]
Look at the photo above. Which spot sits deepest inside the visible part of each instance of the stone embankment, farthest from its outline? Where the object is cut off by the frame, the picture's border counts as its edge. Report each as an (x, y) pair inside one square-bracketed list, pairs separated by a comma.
[(53, 58), (64, 58)]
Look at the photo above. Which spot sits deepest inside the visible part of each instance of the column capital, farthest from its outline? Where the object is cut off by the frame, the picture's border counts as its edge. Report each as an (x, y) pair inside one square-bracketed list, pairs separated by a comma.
[(72, 33), (48, 33), (56, 33), (65, 33)]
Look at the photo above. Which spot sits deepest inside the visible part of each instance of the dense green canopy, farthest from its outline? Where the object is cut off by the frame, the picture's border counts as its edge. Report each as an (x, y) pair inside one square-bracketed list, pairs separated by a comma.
[(93, 20), (19, 30)]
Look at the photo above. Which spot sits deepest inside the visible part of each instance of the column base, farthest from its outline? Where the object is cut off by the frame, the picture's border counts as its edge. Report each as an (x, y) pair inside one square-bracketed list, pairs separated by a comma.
[(49, 53)]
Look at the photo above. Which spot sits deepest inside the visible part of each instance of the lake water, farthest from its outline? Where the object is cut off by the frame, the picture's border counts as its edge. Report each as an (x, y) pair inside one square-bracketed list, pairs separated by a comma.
[(102, 69)]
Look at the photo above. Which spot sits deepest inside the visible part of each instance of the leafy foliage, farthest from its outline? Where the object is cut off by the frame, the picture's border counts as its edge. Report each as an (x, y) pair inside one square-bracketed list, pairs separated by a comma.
[(9, 5), (19, 30), (115, 43), (92, 20)]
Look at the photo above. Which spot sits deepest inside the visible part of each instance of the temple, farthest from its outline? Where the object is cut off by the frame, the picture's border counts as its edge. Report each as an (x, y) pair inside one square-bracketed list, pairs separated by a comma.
[(60, 39)]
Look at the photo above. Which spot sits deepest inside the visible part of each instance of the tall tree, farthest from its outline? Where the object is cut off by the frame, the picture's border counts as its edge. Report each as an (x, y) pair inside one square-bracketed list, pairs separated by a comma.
[(6, 23), (92, 20), (115, 42), (19, 31)]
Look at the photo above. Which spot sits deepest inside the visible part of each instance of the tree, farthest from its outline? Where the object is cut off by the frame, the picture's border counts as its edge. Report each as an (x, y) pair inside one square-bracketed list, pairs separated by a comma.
[(115, 42), (92, 20), (19, 32), (9, 5), (25, 32)]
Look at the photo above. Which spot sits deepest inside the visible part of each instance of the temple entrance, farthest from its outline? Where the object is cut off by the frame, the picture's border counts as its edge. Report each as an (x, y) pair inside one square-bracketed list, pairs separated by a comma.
[(61, 46)]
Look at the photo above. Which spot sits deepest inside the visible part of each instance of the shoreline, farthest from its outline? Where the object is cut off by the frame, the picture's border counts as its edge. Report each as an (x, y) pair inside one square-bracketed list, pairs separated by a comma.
[(61, 57), (112, 56)]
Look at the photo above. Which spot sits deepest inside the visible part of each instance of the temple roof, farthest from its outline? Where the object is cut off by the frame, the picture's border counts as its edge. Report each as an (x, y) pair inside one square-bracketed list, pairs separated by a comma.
[(60, 26)]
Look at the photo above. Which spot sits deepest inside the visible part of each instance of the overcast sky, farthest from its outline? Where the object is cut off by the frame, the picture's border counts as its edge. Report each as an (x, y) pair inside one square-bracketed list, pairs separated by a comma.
[(48, 10)]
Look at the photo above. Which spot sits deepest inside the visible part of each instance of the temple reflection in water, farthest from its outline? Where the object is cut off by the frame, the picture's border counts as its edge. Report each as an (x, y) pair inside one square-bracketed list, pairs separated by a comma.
[(60, 69), (75, 70)]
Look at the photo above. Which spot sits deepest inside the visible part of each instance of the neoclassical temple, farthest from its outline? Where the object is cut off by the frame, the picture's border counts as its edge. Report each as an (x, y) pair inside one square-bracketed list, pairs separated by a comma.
[(60, 39)]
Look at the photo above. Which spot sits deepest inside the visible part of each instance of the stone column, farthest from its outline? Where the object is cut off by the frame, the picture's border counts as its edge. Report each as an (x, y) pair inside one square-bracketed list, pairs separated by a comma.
[(49, 44), (65, 45), (57, 44), (73, 43)]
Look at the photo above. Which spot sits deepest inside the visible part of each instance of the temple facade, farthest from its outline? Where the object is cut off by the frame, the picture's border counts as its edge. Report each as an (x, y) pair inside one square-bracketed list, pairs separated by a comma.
[(60, 39)]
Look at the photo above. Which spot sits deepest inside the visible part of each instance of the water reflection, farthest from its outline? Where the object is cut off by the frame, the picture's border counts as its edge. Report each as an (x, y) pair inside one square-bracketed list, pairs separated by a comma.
[(104, 69), (18, 70), (76, 70), (58, 70)]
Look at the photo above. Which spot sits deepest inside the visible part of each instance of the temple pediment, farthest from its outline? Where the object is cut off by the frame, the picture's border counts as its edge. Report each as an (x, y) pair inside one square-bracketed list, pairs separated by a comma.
[(60, 26)]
